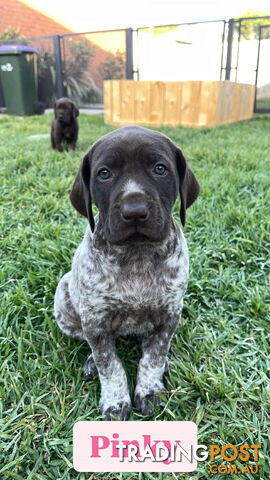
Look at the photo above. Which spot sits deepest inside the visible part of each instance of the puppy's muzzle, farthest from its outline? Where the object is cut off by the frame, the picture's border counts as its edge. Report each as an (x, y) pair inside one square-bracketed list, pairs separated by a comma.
[(134, 212), (133, 217)]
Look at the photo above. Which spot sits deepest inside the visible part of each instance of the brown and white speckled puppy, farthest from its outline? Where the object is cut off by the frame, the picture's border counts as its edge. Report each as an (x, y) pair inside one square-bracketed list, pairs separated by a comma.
[(64, 127), (130, 272)]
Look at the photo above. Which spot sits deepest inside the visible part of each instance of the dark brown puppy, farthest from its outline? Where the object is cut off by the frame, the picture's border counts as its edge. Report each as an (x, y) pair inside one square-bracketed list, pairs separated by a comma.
[(65, 125)]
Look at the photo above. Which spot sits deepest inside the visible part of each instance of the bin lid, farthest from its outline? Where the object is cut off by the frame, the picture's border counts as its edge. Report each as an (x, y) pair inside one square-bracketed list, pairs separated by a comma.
[(15, 49)]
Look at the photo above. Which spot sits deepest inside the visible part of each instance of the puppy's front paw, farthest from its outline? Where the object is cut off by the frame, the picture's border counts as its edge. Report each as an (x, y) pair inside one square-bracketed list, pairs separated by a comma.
[(119, 411), (115, 403), (146, 400), (89, 368)]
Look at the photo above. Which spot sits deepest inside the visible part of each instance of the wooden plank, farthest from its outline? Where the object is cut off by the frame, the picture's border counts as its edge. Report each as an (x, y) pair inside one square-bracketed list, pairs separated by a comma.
[(171, 103), (236, 102), (142, 102), (189, 103), (185, 102), (127, 101), (251, 101), (220, 103), (176, 103), (107, 95), (226, 101), (244, 102), (115, 102), (207, 108), (195, 99), (212, 104), (179, 110), (156, 103)]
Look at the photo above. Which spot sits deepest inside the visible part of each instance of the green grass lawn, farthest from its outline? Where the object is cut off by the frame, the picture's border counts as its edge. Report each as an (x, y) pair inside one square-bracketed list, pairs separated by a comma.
[(220, 372)]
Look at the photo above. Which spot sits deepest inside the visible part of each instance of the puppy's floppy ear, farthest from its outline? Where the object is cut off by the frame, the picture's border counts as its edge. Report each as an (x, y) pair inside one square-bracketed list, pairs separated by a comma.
[(80, 195), (189, 188), (54, 109), (76, 112)]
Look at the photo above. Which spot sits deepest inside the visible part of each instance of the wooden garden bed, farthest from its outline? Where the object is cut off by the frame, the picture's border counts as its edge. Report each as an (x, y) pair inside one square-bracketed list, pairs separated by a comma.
[(193, 103)]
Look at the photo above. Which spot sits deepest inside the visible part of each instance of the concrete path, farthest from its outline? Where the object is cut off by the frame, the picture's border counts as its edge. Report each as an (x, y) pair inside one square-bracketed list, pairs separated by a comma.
[(87, 111)]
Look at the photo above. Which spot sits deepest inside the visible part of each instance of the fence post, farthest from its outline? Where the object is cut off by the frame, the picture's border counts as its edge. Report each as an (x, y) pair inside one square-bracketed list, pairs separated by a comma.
[(257, 70), (229, 49), (58, 66), (129, 54)]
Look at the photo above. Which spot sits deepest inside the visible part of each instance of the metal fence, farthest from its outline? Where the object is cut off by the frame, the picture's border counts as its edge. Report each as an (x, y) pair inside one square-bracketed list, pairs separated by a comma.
[(236, 50), (88, 59), (75, 65), (248, 54), (188, 51), (262, 95)]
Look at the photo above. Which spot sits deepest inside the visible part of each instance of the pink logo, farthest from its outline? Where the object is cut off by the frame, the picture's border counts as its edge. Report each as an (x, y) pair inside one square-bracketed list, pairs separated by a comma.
[(135, 446)]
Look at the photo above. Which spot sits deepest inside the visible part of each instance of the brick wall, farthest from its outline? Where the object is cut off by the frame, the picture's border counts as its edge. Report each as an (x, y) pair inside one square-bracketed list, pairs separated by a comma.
[(30, 22)]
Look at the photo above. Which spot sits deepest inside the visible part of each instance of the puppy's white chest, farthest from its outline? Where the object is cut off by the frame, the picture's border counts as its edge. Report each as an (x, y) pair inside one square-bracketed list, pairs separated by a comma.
[(131, 296), (142, 287)]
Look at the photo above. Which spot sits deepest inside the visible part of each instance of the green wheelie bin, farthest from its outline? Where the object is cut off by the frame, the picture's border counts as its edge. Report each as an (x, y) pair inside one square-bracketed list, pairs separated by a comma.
[(18, 75)]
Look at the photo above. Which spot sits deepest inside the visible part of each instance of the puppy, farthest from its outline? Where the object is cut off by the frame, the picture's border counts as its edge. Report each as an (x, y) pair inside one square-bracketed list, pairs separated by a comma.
[(65, 127), (130, 272)]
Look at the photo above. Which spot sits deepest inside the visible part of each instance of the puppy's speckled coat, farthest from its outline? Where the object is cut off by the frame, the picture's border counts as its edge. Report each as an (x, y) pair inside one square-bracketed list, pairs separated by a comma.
[(130, 273)]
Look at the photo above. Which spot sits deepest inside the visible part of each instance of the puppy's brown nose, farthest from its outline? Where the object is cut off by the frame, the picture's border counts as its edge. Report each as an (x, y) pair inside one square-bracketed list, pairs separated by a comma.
[(134, 212)]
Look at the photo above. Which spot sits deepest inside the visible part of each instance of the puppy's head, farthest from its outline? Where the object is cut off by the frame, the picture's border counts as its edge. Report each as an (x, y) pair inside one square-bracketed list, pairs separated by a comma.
[(65, 110), (134, 175)]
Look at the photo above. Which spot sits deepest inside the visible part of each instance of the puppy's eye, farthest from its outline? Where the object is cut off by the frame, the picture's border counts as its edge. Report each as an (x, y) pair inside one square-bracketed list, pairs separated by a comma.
[(160, 169), (104, 174)]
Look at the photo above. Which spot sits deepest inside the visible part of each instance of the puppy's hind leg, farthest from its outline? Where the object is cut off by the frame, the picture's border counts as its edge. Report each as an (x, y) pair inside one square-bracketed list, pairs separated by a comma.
[(89, 368), (70, 322), (67, 318)]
